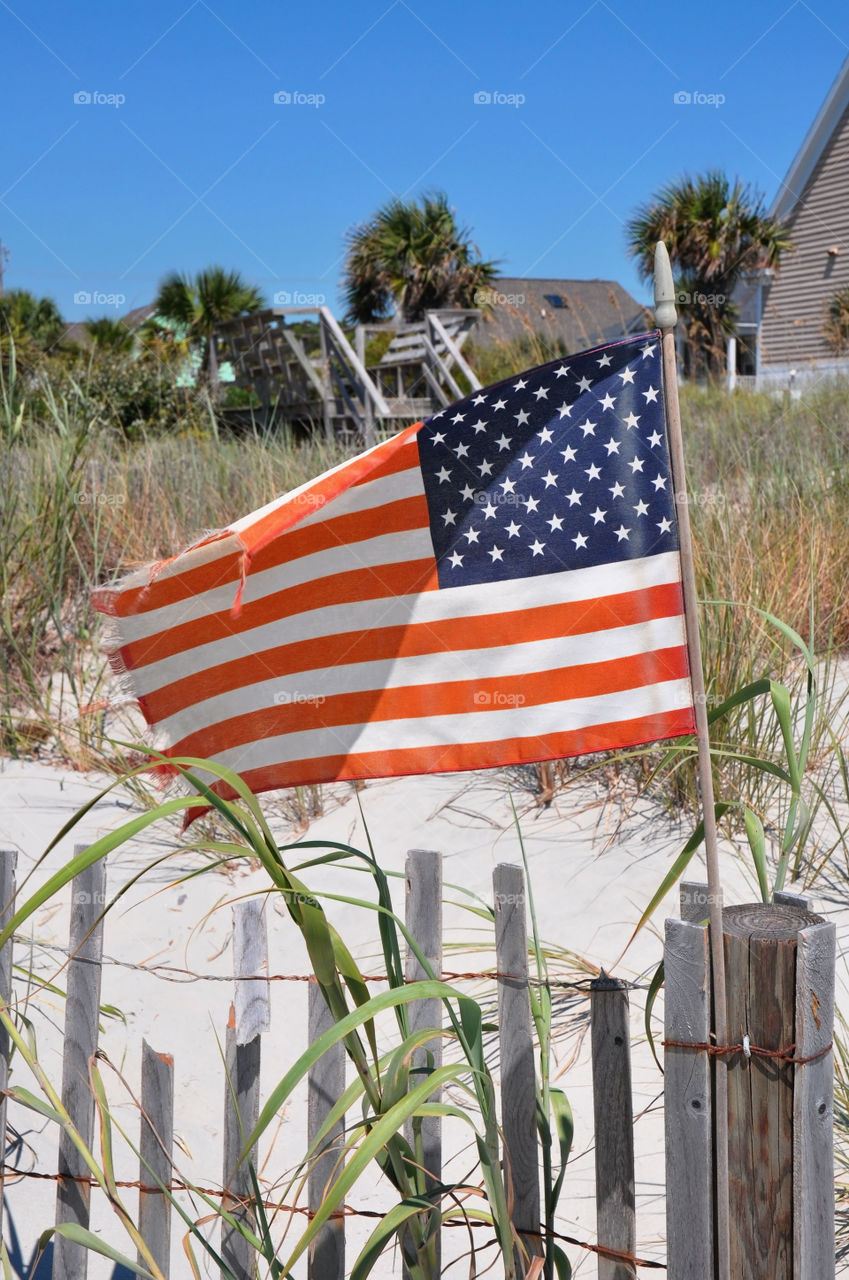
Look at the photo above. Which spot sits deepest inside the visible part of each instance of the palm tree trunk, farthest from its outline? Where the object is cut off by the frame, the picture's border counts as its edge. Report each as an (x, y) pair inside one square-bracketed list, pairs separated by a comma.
[(212, 378)]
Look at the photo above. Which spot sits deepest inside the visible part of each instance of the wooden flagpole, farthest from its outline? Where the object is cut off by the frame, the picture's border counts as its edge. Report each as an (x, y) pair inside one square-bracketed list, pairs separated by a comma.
[(666, 318)]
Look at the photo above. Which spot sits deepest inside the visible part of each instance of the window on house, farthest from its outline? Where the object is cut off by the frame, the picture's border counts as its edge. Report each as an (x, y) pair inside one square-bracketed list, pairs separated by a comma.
[(747, 344), (555, 299)]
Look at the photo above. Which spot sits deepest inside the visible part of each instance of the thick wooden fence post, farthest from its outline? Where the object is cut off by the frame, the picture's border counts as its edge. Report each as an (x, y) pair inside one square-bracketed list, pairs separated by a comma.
[(769, 1095), (518, 1073), (780, 986), (155, 1143), (325, 1085), (614, 1125), (248, 1019), (82, 1007), (8, 862), (424, 920)]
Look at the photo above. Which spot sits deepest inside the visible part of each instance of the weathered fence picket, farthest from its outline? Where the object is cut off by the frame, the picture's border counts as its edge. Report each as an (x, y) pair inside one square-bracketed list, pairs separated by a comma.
[(248, 1018), (251, 1002), (155, 1145), (82, 1010), (688, 1100), (614, 1125), (325, 1085), (241, 1111), (516, 1047), (424, 920), (8, 862)]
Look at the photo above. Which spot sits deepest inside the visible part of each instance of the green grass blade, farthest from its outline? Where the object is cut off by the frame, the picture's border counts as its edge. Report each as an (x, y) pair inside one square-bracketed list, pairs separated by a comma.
[(651, 995), (757, 843), (33, 1103), (80, 1235), (780, 695), (411, 1207), (748, 693), (565, 1128), (561, 1262), (677, 869)]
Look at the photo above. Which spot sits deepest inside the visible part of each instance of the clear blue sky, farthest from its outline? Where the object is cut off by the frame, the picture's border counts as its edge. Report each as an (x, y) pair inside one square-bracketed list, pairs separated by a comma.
[(199, 164)]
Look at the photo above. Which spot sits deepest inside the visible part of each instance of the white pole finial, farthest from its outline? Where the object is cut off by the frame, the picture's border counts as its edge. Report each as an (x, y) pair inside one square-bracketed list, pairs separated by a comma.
[(666, 317)]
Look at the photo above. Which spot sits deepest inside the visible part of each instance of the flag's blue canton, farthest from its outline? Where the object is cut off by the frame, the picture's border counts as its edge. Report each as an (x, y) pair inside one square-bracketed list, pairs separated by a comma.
[(563, 467)]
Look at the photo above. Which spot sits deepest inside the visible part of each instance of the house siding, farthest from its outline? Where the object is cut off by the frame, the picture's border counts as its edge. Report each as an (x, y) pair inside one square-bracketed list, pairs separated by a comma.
[(796, 301)]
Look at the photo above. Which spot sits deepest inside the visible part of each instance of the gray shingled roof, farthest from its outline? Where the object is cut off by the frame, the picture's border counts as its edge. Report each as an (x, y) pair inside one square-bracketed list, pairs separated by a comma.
[(76, 332), (593, 311)]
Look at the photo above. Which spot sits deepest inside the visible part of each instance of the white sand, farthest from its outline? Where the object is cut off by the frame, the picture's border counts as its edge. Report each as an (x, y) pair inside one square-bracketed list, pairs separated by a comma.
[(591, 875)]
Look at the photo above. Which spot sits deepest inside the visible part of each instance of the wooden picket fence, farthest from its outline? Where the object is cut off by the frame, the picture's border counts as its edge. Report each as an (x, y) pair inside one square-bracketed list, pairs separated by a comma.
[(687, 1086)]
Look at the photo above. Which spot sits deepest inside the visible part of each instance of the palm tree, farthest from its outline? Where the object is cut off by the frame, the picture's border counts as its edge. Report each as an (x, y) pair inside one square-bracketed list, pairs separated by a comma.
[(412, 257), (110, 336), (32, 324), (715, 231), (196, 306)]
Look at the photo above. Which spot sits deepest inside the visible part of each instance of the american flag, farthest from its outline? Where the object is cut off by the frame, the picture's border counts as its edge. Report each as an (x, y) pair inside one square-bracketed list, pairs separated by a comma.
[(499, 584)]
